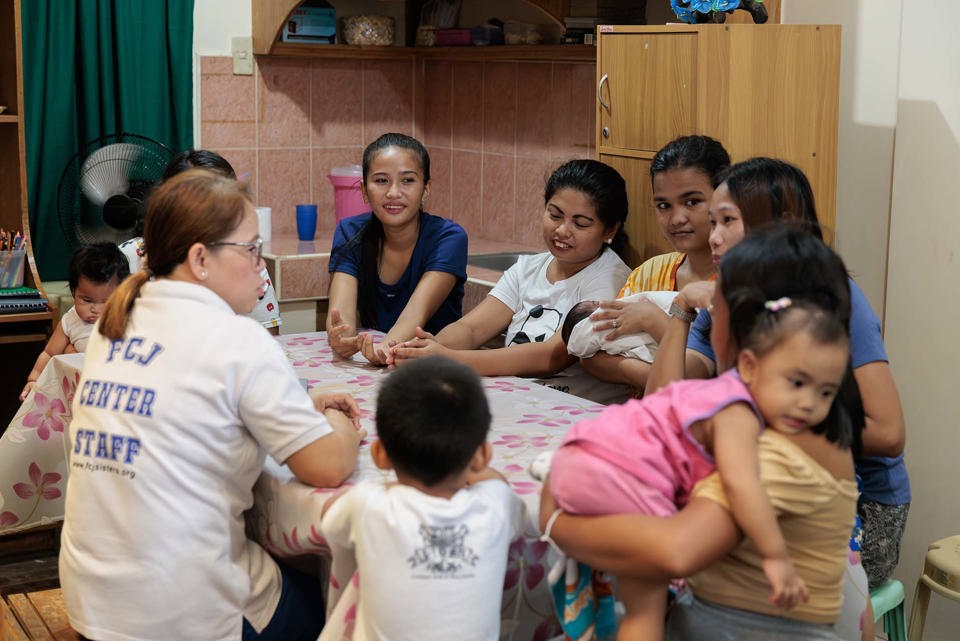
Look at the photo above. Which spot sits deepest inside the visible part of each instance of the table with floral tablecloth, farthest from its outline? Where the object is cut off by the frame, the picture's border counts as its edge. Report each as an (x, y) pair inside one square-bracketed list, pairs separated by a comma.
[(33, 467), (527, 419)]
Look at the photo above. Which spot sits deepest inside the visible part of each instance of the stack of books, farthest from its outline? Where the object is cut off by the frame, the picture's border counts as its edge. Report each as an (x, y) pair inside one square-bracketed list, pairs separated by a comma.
[(21, 300), (579, 30)]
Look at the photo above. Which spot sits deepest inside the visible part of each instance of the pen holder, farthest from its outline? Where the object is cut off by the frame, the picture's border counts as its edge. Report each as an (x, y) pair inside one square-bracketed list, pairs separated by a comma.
[(11, 268)]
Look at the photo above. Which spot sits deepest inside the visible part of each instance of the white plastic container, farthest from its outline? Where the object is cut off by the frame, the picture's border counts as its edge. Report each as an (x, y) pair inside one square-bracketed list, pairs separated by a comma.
[(264, 223)]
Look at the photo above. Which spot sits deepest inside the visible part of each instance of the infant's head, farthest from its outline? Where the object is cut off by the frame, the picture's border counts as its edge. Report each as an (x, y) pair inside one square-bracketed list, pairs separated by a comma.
[(577, 313), (95, 271)]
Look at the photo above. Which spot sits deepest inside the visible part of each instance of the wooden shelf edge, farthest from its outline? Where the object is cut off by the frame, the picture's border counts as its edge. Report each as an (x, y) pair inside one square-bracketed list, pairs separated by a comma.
[(23, 338), (11, 118), (548, 53), (32, 316)]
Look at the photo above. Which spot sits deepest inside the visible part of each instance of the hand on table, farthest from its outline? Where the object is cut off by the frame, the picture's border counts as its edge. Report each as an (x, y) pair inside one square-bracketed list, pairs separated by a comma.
[(342, 337), (342, 402), (423, 344), (789, 590), (343, 424), (27, 389), (626, 318), (380, 354)]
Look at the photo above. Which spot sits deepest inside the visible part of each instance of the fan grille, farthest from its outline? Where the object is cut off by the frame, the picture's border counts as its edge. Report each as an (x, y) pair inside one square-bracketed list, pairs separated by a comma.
[(104, 186)]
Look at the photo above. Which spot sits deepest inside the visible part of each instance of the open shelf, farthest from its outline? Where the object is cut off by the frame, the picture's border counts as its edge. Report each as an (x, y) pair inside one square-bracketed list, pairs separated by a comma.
[(572, 53)]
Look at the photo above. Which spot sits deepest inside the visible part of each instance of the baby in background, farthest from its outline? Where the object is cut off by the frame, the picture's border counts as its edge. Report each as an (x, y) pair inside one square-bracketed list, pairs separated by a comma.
[(584, 340), (95, 271), (431, 547)]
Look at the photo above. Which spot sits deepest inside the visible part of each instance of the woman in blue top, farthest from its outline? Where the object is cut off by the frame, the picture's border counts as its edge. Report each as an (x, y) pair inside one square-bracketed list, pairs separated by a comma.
[(398, 267), (749, 195)]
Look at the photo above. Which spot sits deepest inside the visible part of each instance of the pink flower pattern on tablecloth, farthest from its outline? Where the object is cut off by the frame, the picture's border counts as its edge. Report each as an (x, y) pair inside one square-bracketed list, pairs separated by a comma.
[(49, 415), (7, 519), (505, 386), (546, 420), (363, 380), (69, 388), (514, 441), (41, 484), (525, 561)]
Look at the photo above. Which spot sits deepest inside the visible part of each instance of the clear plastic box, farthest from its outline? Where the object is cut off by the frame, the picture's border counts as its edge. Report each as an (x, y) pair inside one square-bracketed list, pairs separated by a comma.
[(11, 268)]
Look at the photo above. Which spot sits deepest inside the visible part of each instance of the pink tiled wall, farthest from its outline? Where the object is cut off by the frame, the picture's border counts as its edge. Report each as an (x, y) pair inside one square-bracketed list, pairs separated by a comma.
[(494, 131)]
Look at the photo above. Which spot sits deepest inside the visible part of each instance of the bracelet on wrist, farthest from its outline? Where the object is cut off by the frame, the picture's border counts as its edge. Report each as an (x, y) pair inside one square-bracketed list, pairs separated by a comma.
[(545, 537), (677, 311)]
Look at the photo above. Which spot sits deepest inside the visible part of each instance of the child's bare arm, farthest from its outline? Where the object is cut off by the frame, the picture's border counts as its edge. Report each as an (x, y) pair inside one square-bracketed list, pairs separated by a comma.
[(57, 344), (735, 434), (70, 349)]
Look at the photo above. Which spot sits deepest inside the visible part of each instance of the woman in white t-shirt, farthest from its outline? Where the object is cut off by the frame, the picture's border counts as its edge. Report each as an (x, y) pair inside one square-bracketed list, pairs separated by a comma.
[(171, 426), (586, 206), (267, 311)]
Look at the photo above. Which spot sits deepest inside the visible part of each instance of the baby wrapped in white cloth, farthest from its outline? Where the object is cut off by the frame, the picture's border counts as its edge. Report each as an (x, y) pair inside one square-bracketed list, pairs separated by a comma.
[(583, 341)]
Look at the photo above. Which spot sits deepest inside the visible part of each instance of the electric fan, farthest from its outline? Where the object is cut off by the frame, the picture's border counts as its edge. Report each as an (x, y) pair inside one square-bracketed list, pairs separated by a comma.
[(104, 186)]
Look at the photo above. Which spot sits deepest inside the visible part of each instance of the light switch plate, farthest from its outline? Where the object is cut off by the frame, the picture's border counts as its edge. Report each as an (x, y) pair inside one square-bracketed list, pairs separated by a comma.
[(242, 47)]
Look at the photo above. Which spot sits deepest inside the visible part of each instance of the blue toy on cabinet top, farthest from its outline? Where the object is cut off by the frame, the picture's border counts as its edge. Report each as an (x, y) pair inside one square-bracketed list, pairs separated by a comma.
[(700, 11)]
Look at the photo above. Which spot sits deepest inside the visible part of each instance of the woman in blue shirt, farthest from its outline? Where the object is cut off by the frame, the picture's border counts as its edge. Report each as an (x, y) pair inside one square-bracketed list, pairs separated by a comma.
[(749, 195), (396, 268)]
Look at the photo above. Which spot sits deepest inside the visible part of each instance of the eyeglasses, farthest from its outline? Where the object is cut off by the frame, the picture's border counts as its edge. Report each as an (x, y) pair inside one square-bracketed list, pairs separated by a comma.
[(256, 247)]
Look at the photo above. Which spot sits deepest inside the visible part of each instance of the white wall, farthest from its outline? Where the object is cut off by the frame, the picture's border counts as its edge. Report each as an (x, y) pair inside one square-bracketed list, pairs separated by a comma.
[(215, 22), (868, 112), (923, 284)]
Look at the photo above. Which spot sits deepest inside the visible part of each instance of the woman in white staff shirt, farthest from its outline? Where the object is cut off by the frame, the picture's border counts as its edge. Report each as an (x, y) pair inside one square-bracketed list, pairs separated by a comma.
[(171, 424)]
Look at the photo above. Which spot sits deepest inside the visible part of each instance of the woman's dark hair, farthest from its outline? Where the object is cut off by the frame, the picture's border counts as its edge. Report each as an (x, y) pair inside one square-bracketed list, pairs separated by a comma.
[(98, 262), (198, 158), (691, 152), (196, 206), (605, 188), (787, 261), (370, 236), (432, 415), (182, 161), (768, 190)]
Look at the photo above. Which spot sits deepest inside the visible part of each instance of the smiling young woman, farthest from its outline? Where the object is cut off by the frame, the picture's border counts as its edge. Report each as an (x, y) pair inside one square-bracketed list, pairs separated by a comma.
[(585, 205), (396, 268)]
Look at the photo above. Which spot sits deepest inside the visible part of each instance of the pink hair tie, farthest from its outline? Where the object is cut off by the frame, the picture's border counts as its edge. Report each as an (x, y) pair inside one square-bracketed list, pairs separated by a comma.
[(778, 305)]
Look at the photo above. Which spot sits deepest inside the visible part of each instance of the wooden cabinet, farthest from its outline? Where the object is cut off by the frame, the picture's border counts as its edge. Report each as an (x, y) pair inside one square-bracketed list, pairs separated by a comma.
[(22, 336), (762, 90)]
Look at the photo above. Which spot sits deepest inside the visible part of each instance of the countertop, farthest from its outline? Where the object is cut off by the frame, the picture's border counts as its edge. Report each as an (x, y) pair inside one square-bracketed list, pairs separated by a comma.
[(299, 268)]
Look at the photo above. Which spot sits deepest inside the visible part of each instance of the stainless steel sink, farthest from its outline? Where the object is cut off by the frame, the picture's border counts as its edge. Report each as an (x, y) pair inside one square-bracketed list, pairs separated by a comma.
[(500, 262)]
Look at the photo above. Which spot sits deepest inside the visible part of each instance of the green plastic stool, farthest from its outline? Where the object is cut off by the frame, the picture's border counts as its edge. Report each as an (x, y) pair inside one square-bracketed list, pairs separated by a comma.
[(887, 602)]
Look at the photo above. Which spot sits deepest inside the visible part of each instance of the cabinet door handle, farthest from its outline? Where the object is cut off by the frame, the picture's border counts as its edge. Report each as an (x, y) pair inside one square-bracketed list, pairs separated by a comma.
[(603, 79)]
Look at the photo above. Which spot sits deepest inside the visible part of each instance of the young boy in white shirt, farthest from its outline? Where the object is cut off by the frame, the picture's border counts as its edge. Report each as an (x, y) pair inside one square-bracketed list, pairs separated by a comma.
[(431, 548)]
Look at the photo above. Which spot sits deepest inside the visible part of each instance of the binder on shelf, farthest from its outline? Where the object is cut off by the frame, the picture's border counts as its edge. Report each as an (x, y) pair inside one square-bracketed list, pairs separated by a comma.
[(22, 305), (19, 292)]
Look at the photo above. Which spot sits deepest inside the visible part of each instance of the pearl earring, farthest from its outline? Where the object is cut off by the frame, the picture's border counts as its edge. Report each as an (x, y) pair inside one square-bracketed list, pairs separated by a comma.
[(203, 275), (609, 241)]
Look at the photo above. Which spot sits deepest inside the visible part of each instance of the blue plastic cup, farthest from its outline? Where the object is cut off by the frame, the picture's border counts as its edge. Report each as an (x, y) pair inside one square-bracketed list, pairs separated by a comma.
[(306, 221)]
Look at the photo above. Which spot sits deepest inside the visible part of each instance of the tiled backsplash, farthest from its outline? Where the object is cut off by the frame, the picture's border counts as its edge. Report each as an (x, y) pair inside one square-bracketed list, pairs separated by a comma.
[(494, 131)]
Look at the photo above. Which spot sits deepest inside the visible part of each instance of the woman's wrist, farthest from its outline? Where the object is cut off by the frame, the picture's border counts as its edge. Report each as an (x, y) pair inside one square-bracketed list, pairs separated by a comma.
[(681, 301)]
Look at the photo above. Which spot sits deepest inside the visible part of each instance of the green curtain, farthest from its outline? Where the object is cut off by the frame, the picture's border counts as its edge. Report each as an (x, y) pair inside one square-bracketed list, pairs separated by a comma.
[(93, 68)]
